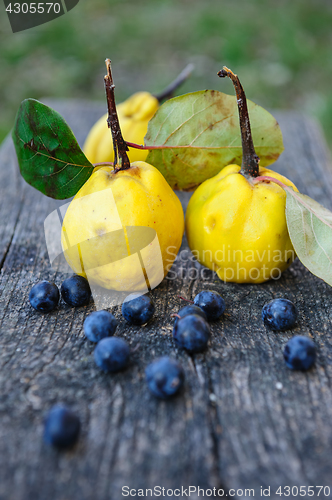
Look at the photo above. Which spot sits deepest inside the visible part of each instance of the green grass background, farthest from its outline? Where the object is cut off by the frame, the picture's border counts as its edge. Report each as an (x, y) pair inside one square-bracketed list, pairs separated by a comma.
[(281, 51)]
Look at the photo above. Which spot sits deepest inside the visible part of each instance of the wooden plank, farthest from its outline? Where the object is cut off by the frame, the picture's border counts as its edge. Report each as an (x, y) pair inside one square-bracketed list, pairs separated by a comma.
[(270, 436), (232, 426), (11, 187)]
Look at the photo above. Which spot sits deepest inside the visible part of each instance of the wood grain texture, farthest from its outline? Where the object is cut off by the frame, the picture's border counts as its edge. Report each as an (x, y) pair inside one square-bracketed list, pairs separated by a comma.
[(243, 419)]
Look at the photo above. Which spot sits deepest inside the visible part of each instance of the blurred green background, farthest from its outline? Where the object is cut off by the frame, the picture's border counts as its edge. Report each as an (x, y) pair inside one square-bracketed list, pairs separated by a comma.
[(281, 51)]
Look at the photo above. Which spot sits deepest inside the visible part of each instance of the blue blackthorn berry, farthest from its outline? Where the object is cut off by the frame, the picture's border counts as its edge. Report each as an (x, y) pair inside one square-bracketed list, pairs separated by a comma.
[(211, 302), (99, 324), (44, 296), (164, 377), (75, 291), (191, 309), (137, 309), (300, 353), (61, 427), (192, 333), (279, 314), (112, 354)]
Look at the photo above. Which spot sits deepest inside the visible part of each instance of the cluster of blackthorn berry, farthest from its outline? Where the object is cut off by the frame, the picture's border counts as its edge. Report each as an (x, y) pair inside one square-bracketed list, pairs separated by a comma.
[(300, 351), (164, 376), (45, 296)]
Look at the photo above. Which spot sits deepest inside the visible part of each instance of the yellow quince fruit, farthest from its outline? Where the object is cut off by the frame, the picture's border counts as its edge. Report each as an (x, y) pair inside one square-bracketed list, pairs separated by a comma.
[(134, 115), (235, 222), (238, 228), (124, 228)]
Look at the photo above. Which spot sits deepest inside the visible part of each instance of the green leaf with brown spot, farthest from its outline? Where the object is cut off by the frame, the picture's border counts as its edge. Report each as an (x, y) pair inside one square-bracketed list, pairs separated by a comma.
[(49, 156), (199, 134)]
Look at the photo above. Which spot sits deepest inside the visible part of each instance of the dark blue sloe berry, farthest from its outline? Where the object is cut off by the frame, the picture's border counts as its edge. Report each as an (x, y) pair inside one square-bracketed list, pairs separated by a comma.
[(99, 324), (137, 309), (192, 333), (212, 304), (61, 427), (300, 353), (164, 377), (75, 291), (112, 354), (191, 309), (44, 296), (279, 314)]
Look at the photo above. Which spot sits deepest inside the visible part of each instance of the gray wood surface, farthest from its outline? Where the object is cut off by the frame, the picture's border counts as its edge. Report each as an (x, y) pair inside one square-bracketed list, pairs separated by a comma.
[(243, 419)]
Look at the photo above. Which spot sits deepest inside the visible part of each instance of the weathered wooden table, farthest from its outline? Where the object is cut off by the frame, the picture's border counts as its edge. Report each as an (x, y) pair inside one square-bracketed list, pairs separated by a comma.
[(243, 421)]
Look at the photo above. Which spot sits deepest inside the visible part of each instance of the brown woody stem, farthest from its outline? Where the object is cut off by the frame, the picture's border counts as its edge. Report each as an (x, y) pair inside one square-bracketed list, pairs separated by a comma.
[(179, 80), (119, 144), (250, 160)]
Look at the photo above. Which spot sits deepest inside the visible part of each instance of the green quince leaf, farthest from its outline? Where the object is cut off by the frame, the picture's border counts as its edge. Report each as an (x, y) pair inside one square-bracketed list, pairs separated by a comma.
[(198, 134), (49, 156), (310, 230)]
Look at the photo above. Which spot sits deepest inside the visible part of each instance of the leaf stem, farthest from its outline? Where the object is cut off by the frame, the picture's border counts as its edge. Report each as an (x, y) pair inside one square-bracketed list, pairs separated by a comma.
[(119, 144), (266, 178), (103, 163), (179, 80), (187, 300), (140, 146), (188, 146), (250, 160)]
